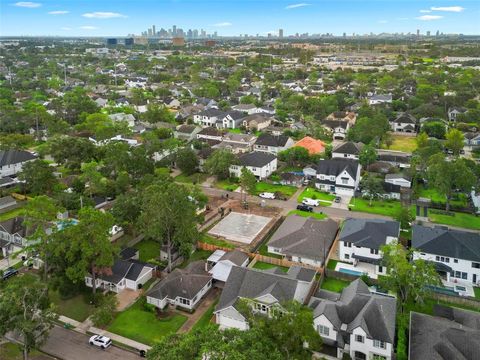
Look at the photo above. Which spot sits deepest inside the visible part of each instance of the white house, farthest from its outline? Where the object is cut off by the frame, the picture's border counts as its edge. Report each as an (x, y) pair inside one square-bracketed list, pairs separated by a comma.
[(379, 99), (405, 123), (455, 253), (338, 128), (399, 179), (232, 120), (265, 291), (355, 322), (347, 150), (261, 164), (273, 143), (209, 117), (360, 241), (454, 112), (339, 176), (119, 117), (13, 235), (182, 287), (247, 108), (12, 161)]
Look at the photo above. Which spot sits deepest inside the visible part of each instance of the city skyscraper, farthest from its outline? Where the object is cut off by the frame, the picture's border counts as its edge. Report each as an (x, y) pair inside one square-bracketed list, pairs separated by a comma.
[(153, 30), (174, 30), (280, 33), (418, 32)]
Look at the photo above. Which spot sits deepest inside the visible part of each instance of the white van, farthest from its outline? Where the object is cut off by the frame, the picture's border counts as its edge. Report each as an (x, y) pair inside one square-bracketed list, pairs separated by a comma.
[(310, 202), (267, 195)]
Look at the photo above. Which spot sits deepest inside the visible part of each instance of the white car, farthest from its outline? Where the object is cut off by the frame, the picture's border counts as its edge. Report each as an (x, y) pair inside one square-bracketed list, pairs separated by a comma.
[(310, 202), (267, 195), (100, 341)]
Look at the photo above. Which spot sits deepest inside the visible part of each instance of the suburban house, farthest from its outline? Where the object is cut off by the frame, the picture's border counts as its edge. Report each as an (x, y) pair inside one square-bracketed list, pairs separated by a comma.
[(261, 164), (304, 239), (210, 134), (256, 122), (472, 140), (355, 322), (292, 178), (122, 117), (313, 146), (379, 99), (454, 112), (455, 253), (338, 128), (395, 158), (451, 333), (12, 161), (348, 116), (266, 290), (391, 191), (404, 122), (182, 287), (399, 179), (360, 241), (339, 176), (347, 150), (13, 235), (7, 203), (220, 263), (273, 143), (209, 117), (124, 274), (236, 143), (246, 108), (187, 132), (232, 120)]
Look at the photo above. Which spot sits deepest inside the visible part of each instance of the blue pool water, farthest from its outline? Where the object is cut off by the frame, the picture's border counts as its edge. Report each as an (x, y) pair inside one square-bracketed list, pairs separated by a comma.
[(351, 272), (65, 223), (444, 290)]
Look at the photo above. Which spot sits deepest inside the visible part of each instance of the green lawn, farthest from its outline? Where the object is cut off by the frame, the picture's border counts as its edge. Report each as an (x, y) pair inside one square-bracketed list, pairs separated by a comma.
[(332, 264), (265, 266), (285, 190), (427, 307), (75, 308), (211, 240), (477, 292), (196, 178), (333, 284), (308, 214), (235, 131), (148, 250), (197, 255), (143, 326), (464, 220), (204, 321), (432, 194), (263, 250), (11, 351), (385, 207), (11, 214), (227, 184), (403, 143), (325, 198)]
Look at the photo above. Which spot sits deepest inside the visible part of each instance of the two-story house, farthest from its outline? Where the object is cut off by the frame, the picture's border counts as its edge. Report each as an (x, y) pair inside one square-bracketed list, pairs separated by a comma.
[(232, 120), (261, 164), (360, 243), (339, 176), (257, 121), (209, 117), (455, 253), (237, 143), (13, 235), (247, 108), (454, 112), (273, 143), (12, 161), (186, 132), (264, 290), (356, 322), (404, 122), (347, 150), (338, 128)]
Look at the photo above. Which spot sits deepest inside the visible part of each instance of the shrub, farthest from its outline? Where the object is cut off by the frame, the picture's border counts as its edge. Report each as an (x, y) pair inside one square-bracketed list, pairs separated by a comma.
[(105, 312)]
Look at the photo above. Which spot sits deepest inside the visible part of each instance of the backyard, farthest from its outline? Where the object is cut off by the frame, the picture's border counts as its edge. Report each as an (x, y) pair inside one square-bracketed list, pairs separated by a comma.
[(148, 250), (206, 318), (197, 255), (76, 307), (325, 198), (284, 190), (319, 216), (386, 207), (143, 326), (403, 143), (196, 178), (207, 239), (335, 285), (432, 194), (265, 266), (458, 219)]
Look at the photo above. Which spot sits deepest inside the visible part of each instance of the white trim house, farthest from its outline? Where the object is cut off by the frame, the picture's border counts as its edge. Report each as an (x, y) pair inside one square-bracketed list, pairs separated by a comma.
[(261, 164), (339, 176)]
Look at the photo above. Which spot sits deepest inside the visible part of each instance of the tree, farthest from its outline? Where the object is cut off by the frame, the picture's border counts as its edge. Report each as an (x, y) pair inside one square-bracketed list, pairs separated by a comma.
[(187, 161), (126, 210), (455, 141), (38, 176), (157, 113), (372, 187), (422, 140), (87, 246), (219, 163), (434, 129), (72, 151), (367, 155), (40, 212), (169, 217), (248, 181), (92, 177), (408, 278), (295, 156), (105, 311), (448, 176), (25, 310), (368, 129), (404, 217)]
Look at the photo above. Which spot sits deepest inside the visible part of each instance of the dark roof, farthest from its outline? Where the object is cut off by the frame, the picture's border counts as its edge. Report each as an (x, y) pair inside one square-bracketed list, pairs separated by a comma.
[(6, 181), (236, 256), (336, 166), (10, 157), (450, 335), (391, 188), (405, 118), (211, 131), (357, 307), (185, 283), (335, 123), (121, 269), (369, 233), (452, 243), (186, 129), (349, 147), (7, 200), (15, 226), (305, 237), (236, 115), (272, 140), (212, 112), (256, 159), (128, 253)]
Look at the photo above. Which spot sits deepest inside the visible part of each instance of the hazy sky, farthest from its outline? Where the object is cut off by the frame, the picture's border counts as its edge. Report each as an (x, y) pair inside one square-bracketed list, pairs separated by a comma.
[(233, 17)]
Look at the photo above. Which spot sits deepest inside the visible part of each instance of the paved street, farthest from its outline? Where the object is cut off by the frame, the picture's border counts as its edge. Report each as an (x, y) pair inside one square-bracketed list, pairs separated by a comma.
[(71, 345)]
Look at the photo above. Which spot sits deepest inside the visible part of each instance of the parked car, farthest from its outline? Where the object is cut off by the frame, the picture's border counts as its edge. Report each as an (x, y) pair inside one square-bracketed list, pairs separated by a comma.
[(100, 341), (338, 199), (303, 207), (310, 202), (267, 195), (8, 273)]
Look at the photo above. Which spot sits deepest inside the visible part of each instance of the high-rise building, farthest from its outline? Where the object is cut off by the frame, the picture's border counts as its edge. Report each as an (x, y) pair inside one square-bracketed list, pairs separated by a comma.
[(112, 41), (203, 33), (195, 33), (280, 33), (174, 30), (428, 33), (153, 30), (128, 41), (418, 32), (437, 33)]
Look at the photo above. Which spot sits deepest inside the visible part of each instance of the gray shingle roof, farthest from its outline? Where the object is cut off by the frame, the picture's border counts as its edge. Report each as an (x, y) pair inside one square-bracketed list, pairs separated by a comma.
[(272, 140), (236, 256), (10, 157), (369, 233), (256, 159), (305, 237), (405, 118), (336, 166), (453, 243), (348, 147)]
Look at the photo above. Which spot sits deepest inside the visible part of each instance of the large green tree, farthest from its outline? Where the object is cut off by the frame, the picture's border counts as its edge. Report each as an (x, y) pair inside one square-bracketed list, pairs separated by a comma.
[(219, 163), (248, 181), (38, 176), (367, 155), (187, 161), (455, 141)]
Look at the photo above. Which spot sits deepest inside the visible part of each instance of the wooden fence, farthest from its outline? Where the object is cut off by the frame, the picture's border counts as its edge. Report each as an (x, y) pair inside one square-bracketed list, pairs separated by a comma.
[(459, 300)]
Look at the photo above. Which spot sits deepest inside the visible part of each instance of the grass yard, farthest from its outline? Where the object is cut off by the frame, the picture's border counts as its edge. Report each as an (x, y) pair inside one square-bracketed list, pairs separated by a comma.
[(265, 266), (143, 326), (227, 184), (332, 264), (432, 194), (427, 307), (263, 250), (308, 214), (207, 239), (196, 178), (325, 198), (464, 220), (333, 284), (148, 249), (477, 292), (197, 255), (403, 143), (285, 190), (386, 207), (11, 214), (204, 321), (75, 308), (11, 351)]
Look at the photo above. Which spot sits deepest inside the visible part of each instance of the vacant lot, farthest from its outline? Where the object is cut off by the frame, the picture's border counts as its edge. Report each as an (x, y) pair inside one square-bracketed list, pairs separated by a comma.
[(325, 198), (386, 207), (197, 178), (75, 307), (284, 190), (403, 143), (464, 220)]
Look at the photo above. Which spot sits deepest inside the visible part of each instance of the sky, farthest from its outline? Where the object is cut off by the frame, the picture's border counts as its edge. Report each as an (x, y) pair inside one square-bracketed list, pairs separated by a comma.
[(234, 17)]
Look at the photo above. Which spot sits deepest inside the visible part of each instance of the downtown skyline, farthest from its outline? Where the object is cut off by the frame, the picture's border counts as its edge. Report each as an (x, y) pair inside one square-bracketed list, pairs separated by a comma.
[(115, 18)]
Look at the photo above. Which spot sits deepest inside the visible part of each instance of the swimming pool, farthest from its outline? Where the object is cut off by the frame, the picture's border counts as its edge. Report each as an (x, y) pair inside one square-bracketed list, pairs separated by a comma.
[(351, 272), (444, 290)]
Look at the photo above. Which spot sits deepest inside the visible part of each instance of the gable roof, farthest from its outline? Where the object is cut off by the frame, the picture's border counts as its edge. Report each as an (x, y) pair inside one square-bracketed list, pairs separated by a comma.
[(10, 157), (256, 159), (336, 166), (212, 112), (15, 226), (441, 241), (405, 118), (357, 307), (235, 256), (306, 237), (369, 233), (312, 145), (272, 140), (348, 147)]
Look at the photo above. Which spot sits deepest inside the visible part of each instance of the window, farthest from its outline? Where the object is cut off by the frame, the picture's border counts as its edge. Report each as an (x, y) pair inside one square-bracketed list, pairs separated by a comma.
[(347, 244), (359, 338), (447, 259), (323, 330), (347, 256), (380, 269), (464, 275), (437, 258), (378, 357), (475, 265), (379, 344), (455, 261), (374, 251), (344, 181), (332, 178)]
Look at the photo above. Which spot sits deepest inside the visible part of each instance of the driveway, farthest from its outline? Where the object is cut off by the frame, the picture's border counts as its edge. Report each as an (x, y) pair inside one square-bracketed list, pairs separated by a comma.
[(343, 204)]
